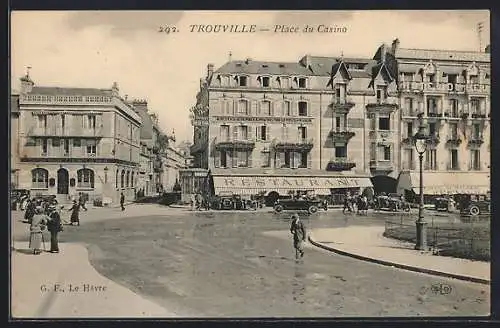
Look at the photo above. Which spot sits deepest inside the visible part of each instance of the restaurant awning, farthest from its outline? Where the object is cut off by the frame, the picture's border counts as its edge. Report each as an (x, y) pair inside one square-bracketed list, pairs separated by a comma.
[(409, 68), (320, 185), (446, 183)]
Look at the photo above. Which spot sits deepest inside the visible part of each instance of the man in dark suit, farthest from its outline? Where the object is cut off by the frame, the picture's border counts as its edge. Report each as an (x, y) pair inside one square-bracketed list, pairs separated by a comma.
[(298, 230)]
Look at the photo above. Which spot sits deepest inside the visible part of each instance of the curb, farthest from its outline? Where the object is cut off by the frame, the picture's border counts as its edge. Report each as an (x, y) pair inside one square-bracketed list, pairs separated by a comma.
[(400, 266)]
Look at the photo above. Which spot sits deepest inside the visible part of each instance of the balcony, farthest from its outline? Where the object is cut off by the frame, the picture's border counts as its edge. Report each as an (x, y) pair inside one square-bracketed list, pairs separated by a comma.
[(454, 141), (435, 115), (58, 131), (411, 113), (342, 106), (478, 115), (340, 164), (341, 135), (381, 135), (476, 140), (408, 141), (383, 106), (381, 165), (433, 140), (298, 144), (232, 144), (464, 115)]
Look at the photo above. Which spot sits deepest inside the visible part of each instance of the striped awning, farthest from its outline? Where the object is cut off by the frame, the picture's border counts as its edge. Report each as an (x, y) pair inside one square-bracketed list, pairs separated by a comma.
[(251, 185), (441, 183)]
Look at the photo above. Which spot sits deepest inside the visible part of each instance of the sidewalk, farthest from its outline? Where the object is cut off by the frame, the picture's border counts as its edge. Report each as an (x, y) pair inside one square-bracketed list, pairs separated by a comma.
[(368, 243), (36, 278)]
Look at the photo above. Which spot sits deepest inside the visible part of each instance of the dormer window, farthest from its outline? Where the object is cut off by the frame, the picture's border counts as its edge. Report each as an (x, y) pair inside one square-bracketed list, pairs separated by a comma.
[(302, 82), (474, 79), (243, 80), (265, 81)]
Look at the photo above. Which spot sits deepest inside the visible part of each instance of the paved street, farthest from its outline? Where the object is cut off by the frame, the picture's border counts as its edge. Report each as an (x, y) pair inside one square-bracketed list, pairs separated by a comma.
[(224, 264)]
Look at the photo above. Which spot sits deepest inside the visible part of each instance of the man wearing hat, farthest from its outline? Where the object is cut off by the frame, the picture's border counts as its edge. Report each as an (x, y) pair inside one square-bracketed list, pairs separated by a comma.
[(38, 224), (54, 226), (298, 231), (75, 213)]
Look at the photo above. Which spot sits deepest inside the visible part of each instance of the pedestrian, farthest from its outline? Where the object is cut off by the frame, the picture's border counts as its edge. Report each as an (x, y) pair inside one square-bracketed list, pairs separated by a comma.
[(81, 200), (75, 213), (347, 204), (30, 211), (54, 226), (298, 230), (37, 226), (122, 201), (199, 200), (193, 202)]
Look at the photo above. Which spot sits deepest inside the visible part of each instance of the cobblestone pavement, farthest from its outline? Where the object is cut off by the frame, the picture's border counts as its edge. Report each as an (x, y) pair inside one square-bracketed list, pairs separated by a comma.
[(222, 264)]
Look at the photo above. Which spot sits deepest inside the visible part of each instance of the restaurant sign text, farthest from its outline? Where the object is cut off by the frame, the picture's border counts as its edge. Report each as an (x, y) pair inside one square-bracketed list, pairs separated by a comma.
[(291, 182)]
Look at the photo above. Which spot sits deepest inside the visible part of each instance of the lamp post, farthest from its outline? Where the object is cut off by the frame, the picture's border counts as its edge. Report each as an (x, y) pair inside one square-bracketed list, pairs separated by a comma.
[(106, 174), (420, 143)]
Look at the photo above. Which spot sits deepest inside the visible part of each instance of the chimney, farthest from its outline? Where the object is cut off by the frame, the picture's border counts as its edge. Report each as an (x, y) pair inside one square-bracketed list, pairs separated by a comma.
[(395, 46), (115, 89), (210, 70), (26, 82), (487, 49)]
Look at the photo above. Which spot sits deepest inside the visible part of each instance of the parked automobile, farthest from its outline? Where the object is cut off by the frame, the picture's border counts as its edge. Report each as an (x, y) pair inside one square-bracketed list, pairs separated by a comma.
[(391, 202), (309, 205), (19, 197), (473, 205), (442, 204)]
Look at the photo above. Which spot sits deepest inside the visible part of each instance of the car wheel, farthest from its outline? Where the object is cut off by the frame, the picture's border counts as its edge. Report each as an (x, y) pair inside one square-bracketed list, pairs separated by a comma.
[(278, 208), (474, 210), (312, 209)]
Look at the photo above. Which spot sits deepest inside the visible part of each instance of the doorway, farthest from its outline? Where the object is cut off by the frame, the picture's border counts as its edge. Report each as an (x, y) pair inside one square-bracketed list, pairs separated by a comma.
[(62, 181)]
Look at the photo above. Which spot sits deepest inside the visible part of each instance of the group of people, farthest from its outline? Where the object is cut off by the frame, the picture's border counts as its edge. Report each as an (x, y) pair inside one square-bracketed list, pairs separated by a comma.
[(357, 203), (198, 202)]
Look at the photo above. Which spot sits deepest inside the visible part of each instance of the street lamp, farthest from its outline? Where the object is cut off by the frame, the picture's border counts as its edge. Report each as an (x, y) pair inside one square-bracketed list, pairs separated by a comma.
[(106, 174), (420, 143)]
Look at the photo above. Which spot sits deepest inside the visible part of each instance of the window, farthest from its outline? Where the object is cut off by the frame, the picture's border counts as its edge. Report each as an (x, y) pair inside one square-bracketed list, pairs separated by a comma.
[(265, 81), (384, 123), (66, 146), (223, 158), (475, 106), (341, 152), (285, 82), (77, 142), (431, 159), (242, 132), (338, 122), (263, 133), (475, 160), (127, 179), (303, 159), (387, 153), (242, 157), (132, 179), (224, 132), (116, 180), (44, 147), (454, 159), (302, 108), (474, 79), (266, 159), (409, 130), (85, 178), (409, 106), (381, 94), (454, 107), (431, 105), (302, 133), (265, 108), (243, 107), (288, 159), (453, 131), (122, 179), (452, 78), (432, 129), (63, 121), (287, 110), (91, 147), (243, 81), (431, 77), (89, 122), (40, 178), (476, 131), (42, 121), (302, 82)]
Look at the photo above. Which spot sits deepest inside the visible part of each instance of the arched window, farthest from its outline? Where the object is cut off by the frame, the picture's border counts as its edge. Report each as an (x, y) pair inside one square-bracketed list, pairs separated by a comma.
[(132, 180), (122, 179), (40, 178), (116, 180), (128, 179), (85, 178)]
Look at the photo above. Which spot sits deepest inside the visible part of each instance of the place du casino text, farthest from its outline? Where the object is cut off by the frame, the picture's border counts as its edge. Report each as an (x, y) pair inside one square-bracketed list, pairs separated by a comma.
[(237, 28)]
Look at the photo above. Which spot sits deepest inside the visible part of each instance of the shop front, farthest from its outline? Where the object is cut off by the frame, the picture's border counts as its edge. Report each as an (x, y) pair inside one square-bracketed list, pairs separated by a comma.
[(438, 184), (284, 183)]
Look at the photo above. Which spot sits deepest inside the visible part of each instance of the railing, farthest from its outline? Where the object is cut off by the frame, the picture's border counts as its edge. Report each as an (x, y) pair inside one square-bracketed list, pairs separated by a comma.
[(381, 164), (58, 131), (342, 133), (454, 140), (444, 87), (447, 236), (381, 134), (390, 104), (341, 164)]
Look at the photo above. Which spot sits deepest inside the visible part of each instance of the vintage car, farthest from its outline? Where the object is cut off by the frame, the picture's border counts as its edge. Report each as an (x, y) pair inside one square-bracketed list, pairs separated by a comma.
[(442, 204), (392, 202), (309, 205), (473, 205), (19, 198), (234, 202)]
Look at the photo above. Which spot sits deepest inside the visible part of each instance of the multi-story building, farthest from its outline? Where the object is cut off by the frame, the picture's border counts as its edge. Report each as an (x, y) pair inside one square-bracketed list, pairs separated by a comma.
[(450, 92), (14, 141), (77, 140), (289, 120)]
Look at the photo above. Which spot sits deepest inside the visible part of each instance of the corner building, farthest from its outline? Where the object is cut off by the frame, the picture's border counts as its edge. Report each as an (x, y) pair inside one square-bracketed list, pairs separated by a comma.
[(77, 140)]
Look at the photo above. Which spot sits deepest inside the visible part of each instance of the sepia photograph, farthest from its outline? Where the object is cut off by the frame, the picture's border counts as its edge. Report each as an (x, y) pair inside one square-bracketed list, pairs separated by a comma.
[(249, 164)]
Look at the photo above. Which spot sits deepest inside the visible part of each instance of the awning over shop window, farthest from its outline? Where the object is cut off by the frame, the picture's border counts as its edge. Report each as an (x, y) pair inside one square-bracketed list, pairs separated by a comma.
[(409, 68), (249, 185), (457, 70), (440, 183)]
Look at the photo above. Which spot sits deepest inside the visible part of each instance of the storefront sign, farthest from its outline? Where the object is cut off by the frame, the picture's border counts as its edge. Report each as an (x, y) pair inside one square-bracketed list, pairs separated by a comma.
[(270, 183)]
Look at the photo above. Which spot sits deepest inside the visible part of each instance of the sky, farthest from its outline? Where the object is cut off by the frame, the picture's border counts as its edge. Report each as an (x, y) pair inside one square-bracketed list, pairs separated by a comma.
[(96, 48)]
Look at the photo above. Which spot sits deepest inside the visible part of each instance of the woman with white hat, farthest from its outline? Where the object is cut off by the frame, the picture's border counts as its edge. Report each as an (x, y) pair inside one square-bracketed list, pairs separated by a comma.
[(38, 224)]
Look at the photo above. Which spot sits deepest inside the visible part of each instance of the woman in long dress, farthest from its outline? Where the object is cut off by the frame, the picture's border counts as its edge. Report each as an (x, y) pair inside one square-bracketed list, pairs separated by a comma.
[(38, 224), (75, 213)]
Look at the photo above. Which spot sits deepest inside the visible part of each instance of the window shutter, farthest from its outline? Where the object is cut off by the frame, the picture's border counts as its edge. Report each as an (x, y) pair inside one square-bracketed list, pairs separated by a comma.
[(257, 134), (217, 155), (281, 159), (235, 132), (296, 159), (309, 160), (268, 132), (249, 133), (249, 154), (234, 153)]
